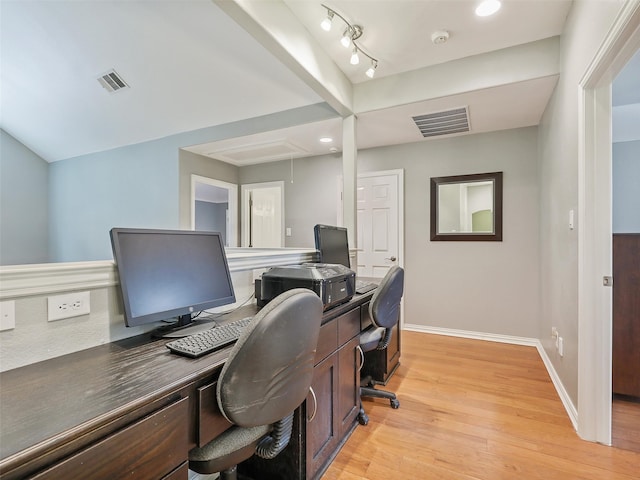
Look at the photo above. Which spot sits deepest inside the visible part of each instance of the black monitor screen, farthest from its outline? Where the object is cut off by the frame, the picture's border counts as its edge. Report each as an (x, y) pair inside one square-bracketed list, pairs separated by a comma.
[(169, 273), (332, 244)]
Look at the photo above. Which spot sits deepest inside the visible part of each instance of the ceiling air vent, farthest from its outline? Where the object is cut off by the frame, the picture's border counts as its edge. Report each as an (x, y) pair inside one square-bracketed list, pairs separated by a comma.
[(112, 82), (259, 153), (443, 123)]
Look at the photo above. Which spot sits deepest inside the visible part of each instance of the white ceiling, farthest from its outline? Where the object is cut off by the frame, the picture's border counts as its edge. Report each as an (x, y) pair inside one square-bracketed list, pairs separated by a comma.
[(398, 32), (190, 66)]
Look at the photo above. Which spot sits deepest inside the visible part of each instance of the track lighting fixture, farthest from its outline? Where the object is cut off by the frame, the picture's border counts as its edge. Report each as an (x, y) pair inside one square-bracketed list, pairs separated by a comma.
[(348, 39)]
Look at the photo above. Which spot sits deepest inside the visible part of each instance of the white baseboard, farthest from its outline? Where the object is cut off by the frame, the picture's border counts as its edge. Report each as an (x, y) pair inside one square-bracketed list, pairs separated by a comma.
[(570, 408)]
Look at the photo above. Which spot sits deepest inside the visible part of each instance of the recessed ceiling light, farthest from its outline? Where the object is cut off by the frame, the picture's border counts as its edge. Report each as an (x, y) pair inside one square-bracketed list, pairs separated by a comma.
[(326, 139), (488, 7)]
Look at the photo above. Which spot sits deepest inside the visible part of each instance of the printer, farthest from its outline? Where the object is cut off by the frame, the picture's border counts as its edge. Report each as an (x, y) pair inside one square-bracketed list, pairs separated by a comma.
[(333, 283)]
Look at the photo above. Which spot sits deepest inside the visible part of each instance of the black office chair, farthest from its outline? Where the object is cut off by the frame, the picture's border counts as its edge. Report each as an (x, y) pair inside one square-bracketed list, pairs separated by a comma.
[(266, 377), (384, 310)]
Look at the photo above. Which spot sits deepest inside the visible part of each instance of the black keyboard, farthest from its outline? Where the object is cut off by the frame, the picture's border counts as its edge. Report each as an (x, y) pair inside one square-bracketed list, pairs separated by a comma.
[(210, 340), (363, 287)]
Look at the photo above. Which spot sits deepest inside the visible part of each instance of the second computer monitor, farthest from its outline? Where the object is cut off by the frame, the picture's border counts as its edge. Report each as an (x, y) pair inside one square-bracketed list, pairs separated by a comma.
[(332, 244)]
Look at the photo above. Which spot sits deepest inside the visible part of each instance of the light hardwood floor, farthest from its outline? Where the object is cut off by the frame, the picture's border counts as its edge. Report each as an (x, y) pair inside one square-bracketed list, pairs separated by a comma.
[(471, 409)]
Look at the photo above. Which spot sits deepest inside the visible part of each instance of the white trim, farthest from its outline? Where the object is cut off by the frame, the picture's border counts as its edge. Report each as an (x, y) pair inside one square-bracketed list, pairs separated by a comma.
[(594, 223), (43, 279), (569, 407), (232, 188)]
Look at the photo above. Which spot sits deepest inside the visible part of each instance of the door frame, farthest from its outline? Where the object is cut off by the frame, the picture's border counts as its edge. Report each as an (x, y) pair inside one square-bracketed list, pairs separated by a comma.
[(595, 228), (399, 173), (232, 196), (244, 213)]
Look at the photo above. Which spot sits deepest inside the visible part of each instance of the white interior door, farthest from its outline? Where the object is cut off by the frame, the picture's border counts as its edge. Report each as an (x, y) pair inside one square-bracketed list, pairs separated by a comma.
[(379, 222), (263, 215)]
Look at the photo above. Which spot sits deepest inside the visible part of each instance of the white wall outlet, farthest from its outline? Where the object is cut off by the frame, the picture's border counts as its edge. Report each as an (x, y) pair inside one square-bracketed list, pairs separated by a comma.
[(7, 315), (68, 305), (288, 231), (257, 273), (561, 346)]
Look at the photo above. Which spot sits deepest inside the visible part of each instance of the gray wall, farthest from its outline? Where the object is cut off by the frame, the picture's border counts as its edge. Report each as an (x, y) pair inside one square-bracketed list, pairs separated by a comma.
[(626, 182), (488, 287), (587, 24), (194, 164), (311, 198), (24, 194)]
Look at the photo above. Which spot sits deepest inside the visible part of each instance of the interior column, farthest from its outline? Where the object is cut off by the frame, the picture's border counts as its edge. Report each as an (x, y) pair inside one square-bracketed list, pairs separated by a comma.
[(349, 176)]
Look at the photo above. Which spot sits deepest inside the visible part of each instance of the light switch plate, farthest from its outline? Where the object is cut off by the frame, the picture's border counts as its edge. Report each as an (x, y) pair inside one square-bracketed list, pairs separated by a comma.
[(571, 220)]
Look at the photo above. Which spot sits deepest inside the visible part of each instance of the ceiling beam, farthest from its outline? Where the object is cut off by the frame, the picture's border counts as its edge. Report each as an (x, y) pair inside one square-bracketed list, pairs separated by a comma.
[(281, 33), (529, 61)]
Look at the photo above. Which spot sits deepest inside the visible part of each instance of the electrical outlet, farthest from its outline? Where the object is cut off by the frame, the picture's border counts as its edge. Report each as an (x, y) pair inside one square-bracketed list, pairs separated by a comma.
[(7, 315), (561, 346), (68, 305)]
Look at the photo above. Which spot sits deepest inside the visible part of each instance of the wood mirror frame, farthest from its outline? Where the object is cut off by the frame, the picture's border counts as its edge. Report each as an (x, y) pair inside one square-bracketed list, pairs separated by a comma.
[(495, 235)]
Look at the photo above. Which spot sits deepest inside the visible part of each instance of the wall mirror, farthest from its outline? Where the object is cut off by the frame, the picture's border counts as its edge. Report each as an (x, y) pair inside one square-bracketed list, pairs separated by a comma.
[(467, 207)]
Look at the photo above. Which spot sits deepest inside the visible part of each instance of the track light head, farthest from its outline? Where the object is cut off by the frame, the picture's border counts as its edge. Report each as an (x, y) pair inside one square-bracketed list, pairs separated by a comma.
[(355, 59), (346, 38), (371, 71), (326, 23)]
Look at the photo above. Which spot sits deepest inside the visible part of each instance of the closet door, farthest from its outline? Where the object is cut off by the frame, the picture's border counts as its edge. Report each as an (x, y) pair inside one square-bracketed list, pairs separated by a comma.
[(626, 314)]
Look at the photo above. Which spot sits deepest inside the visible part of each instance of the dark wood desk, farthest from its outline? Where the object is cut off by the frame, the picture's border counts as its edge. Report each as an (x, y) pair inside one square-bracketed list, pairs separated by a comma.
[(132, 409)]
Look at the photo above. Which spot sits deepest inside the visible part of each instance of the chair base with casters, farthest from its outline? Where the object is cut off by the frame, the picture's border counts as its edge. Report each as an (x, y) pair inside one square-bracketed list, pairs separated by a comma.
[(367, 389), (384, 310)]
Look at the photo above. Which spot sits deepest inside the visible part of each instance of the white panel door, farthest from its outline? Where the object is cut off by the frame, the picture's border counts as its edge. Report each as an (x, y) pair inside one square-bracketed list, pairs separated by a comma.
[(263, 215), (378, 224)]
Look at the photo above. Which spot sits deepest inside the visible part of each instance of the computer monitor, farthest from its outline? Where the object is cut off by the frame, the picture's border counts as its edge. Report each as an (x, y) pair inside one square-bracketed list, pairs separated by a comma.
[(332, 243), (170, 273)]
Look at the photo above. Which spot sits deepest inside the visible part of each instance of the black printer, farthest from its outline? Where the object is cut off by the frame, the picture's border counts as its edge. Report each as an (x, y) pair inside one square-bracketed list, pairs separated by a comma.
[(333, 283)]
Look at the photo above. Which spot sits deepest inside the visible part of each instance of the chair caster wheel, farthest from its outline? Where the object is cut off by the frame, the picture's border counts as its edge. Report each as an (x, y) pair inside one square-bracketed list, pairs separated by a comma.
[(394, 403), (363, 418)]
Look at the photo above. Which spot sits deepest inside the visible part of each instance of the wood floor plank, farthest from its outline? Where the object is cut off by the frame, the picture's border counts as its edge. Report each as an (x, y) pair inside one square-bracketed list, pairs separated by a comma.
[(626, 423), (474, 410)]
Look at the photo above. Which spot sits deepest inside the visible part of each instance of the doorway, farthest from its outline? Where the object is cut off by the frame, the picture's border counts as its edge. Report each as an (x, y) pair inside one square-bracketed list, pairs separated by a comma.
[(625, 420), (214, 207), (263, 215), (594, 243), (379, 226)]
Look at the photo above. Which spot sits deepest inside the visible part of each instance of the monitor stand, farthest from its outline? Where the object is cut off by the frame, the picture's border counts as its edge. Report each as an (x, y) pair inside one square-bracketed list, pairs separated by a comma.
[(184, 327)]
